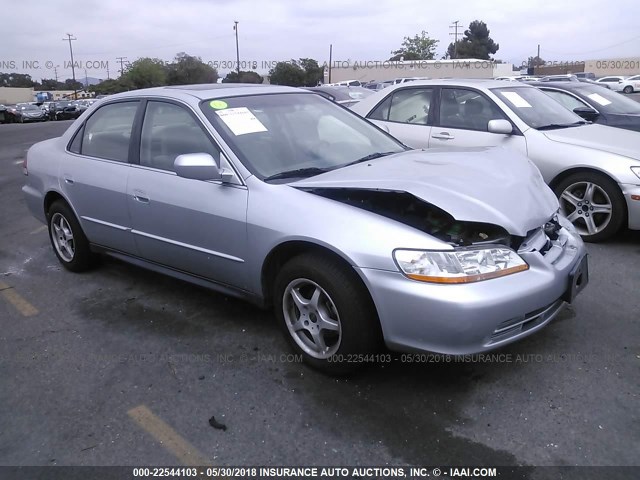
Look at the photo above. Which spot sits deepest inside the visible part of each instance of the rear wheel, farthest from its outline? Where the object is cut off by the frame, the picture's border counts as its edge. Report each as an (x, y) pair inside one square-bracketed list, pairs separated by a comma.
[(593, 203), (67, 238), (628, 89), (325, 312)]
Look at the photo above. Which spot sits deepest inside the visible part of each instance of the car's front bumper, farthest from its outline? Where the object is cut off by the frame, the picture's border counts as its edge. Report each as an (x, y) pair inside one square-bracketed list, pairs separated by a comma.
[(632, 197), (476, 317)]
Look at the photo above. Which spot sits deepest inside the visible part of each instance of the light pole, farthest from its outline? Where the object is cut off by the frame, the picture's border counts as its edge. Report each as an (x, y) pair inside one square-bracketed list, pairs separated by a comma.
[(235, 27), (73, 68)]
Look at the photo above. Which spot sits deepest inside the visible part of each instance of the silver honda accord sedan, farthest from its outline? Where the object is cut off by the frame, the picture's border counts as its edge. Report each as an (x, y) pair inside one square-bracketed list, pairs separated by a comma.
[(283, 198)]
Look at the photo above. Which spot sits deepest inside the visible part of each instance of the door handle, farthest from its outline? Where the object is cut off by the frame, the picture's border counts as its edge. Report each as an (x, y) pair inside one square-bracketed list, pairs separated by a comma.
[(140, 196), (443, 136), (68, 179)]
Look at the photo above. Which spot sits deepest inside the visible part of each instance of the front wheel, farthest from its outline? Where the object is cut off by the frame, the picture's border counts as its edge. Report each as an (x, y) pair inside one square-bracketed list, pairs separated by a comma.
[(628, 89), (326, 313), (67, 238), (593, 203)]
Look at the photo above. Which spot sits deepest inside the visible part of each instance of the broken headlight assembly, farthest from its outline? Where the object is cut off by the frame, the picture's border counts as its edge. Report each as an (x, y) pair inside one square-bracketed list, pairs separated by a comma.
[(463, 265)]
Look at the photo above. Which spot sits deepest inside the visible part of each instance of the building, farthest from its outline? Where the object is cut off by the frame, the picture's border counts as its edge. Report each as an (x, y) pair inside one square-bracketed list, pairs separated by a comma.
[(381, 70), (68, 94), (11, 95)]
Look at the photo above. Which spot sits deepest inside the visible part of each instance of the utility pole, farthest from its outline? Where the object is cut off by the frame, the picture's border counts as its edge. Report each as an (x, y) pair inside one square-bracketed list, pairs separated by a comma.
[(55, 72), (454, 25), (108, 77), (86, 80), (330, 54), (235, 27), (73, 68), (121, 60)]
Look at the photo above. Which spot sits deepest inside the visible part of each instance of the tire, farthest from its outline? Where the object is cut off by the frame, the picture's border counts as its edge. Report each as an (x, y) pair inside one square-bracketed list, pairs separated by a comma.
[(67, 238), (593, 203), (628, 89), (342, 305)]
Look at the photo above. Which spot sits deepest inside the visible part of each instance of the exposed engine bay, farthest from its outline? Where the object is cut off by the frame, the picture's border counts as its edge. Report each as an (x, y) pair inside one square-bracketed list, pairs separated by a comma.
[(405, 208)]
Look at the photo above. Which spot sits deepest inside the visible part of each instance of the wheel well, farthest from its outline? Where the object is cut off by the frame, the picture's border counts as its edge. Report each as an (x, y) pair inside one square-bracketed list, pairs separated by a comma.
[(49, 198), (285, 252), (567, 173)]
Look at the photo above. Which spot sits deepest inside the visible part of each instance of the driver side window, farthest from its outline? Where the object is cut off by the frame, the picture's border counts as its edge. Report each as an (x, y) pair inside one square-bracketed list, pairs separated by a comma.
[(467, 109), (408, 105), (568, 101)]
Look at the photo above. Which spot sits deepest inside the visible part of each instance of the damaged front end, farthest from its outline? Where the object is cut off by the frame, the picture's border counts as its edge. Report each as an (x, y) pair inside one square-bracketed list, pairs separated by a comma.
[(406, 208)]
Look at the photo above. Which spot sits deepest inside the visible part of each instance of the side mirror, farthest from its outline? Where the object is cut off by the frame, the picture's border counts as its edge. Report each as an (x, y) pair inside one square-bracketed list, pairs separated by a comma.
[(200, 166), (500, 126), (587, 113)]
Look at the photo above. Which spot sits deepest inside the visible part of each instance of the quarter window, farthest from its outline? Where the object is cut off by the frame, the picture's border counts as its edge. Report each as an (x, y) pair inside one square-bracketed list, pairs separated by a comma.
[(107, 133), (168, 131)]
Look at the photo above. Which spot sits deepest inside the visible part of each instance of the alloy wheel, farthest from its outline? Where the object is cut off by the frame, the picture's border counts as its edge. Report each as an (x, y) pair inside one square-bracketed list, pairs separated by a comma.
[(588, 206), (312, 318), (62, 236)]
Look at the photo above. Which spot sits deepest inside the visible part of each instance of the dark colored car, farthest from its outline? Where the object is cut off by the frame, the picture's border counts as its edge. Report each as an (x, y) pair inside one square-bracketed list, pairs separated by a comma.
[(64, 111), (3, 114), (345, 96), (27, 112), (594, 103)]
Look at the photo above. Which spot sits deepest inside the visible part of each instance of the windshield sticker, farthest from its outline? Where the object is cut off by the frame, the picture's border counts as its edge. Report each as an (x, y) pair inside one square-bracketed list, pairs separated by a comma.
[(241, 121), (218, 104), (596, 97), (516, 99)]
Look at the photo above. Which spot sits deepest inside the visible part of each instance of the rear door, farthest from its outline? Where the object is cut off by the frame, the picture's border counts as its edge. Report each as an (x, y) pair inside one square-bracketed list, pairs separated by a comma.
[(462, 121), (407, 113), (94, 175)]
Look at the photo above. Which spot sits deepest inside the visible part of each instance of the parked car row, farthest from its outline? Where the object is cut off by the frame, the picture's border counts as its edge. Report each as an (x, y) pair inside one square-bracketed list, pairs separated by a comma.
[(283, 198), (33, 112)]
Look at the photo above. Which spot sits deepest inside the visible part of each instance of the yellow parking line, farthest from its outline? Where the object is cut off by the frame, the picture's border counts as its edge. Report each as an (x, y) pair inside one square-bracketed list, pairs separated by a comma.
[(186, 453), (15, 299), (41, 228)]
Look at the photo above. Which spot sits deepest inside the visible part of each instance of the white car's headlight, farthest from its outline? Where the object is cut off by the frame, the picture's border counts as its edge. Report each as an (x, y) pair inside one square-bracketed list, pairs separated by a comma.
[(459, 266), (636, 170)]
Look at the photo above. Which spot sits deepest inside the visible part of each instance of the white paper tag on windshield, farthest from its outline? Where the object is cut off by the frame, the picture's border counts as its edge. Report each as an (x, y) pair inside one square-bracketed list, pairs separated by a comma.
[(516, 99), (596, 97), (241, 121)]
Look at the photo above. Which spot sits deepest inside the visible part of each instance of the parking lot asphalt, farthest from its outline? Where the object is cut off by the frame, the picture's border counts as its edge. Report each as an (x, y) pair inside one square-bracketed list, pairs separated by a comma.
[(120, 366)]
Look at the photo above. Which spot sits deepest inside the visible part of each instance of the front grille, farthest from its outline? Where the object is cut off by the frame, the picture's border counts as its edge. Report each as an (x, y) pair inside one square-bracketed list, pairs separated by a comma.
[(518, 325)]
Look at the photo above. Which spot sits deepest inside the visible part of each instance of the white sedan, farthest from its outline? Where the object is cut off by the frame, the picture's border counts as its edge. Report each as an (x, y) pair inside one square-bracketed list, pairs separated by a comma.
[(593, 169), (614, 82), (630, 84)]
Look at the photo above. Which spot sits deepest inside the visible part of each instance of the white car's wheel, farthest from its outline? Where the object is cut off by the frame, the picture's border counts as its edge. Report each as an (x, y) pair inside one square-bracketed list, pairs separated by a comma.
[(593, 203)]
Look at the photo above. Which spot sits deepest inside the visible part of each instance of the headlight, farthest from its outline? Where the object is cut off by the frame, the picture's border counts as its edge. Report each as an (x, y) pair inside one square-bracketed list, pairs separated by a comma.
[(636, 170), (459, 266)]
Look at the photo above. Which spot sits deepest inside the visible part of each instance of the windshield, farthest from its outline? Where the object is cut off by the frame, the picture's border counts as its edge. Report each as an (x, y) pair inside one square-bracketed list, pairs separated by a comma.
[(278, 133), (535, 107), (608, 101), (29, 107)]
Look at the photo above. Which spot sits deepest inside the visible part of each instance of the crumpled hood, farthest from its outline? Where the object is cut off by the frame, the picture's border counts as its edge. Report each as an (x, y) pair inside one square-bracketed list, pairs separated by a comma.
[(489, 185), (599, 137)]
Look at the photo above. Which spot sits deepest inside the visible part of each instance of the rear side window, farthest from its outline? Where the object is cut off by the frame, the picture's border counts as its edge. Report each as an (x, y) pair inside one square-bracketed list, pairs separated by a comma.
[(107, 133)]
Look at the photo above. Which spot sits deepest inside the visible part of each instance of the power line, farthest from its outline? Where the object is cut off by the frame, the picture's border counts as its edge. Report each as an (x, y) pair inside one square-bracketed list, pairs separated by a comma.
[(73, 68), (455, 38), (121, 60)]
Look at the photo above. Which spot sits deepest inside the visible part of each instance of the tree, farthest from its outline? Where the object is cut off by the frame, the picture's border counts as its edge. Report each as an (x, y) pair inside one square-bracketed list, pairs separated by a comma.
[(476, 43), (48, 84), (13, 79), (244, 77), (146, 72), (313, 73), (533, 62), (188, 70), (69, 84), (108, 87), (420, 47)]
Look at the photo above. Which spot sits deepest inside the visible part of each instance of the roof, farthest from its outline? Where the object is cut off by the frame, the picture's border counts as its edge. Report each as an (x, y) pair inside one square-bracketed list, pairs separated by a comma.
[(463, 82), (206, 91)]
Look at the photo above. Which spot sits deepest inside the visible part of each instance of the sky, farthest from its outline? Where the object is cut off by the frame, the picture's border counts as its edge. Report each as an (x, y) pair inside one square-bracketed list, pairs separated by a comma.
[(272, 30)]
